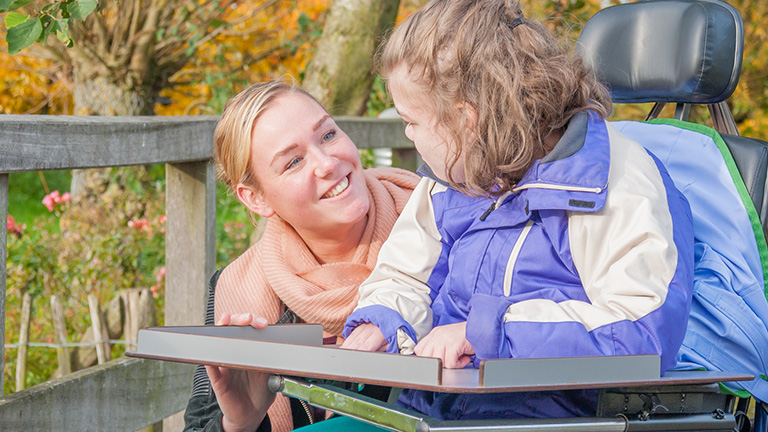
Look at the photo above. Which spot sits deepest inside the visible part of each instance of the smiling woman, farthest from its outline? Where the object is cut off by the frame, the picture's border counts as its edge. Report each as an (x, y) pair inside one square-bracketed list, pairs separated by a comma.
[(310, 174), (285, 159)]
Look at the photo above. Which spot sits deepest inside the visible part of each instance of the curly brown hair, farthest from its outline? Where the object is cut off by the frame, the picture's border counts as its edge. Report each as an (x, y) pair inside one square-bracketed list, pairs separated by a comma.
[(521, 81)]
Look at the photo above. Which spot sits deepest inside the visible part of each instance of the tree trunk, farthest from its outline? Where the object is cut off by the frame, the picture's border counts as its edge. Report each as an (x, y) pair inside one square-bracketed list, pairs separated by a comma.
[(97, 94), (340, 75)]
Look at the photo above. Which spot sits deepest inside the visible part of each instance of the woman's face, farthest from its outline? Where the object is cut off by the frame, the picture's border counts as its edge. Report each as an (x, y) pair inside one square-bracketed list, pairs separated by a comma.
[(431, 139), (309, 170)]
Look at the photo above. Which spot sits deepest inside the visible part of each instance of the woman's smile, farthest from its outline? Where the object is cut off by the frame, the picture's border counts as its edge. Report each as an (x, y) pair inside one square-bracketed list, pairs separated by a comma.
[(339, 188)]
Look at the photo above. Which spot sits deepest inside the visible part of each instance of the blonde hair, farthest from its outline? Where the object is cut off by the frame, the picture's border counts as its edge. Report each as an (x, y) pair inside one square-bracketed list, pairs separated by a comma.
[(232, 137), (519, 79)]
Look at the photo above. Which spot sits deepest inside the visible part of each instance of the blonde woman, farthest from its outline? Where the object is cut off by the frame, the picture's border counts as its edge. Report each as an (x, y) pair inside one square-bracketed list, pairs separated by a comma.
[(286, 160)]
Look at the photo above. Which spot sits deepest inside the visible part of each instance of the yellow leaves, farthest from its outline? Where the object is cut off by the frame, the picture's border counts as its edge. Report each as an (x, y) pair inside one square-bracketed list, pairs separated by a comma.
[(256, 48), (32, 86)]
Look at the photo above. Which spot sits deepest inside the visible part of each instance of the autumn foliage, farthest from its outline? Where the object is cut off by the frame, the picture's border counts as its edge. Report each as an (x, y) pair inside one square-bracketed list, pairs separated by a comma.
[(256, 45)]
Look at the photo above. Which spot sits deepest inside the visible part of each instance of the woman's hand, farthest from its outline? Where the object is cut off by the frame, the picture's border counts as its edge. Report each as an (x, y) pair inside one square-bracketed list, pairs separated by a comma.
[(448, 343), (366, 337), (243, 395)]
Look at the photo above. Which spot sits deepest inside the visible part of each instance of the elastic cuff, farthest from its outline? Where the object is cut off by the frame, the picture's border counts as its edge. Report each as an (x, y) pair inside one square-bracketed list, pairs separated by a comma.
[(387, 320)]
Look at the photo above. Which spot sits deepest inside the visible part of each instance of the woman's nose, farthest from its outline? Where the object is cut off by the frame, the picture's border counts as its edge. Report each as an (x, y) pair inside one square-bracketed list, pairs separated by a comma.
[(325, 164)]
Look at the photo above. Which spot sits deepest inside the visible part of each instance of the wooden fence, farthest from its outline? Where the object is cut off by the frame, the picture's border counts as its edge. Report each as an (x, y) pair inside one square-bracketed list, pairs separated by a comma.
[(130, 394)]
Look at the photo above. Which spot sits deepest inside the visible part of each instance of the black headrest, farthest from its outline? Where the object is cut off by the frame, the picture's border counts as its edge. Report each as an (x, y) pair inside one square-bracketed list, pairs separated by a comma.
[(665, 50)]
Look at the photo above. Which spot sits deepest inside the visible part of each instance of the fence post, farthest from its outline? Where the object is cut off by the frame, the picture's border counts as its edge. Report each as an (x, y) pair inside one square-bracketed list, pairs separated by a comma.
[(60, 332), (3, 253), (406, 158), (190, 248), (139, 313), (100, 335), (21, 351)]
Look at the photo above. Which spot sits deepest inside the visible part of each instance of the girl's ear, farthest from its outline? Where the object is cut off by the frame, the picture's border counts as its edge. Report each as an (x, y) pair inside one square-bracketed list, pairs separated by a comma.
[(253, 200)]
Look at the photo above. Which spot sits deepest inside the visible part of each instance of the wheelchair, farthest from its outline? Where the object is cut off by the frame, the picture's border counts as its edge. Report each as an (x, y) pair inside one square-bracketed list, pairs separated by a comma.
[(685, 52)]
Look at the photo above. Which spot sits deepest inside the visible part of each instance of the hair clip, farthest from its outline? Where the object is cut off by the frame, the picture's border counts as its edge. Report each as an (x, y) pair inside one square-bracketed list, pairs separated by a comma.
[(515, 22)]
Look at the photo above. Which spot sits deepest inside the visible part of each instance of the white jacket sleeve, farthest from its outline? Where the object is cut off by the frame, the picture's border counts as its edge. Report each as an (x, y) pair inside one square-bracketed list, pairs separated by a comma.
[(405, 262)]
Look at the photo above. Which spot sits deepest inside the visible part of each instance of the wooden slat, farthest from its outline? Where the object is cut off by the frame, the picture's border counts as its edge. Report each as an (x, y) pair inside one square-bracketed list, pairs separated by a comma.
[(99, 328), (121, 395), (21, 351), (190, 248), (3, 253), (60, 335), (373, 133), (33, 143)]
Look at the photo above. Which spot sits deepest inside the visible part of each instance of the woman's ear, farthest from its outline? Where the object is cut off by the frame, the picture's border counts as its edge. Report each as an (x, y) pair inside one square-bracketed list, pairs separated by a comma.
[(253, 200)]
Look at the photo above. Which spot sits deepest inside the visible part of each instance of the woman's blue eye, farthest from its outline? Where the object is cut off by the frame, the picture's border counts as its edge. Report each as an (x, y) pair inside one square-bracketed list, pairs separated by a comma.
[(329, 135), (295, 161)]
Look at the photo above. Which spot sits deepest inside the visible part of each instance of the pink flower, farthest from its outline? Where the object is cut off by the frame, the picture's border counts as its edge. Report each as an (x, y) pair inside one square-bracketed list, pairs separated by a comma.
[(48, 202), (12, 226), (139, 224), (52, 199), (160, 274)]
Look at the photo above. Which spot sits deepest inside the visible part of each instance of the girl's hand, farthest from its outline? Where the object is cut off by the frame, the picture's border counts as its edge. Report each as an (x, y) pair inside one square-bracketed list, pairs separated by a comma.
[(448, 343), (243, 395), (366, 337)]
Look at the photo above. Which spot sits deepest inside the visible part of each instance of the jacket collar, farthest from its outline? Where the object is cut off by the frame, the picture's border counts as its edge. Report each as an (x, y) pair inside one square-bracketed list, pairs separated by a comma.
[(574, 175)]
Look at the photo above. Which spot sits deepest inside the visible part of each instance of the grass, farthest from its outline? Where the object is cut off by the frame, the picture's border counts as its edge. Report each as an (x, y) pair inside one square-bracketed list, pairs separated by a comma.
[(26, 191)]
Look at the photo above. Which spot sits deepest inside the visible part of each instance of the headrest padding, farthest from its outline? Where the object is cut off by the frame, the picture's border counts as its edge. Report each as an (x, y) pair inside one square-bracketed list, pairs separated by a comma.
[(665, 50)]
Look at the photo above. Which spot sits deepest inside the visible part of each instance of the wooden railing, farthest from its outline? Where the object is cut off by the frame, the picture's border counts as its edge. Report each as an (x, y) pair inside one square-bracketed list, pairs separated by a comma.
[(129, 394)]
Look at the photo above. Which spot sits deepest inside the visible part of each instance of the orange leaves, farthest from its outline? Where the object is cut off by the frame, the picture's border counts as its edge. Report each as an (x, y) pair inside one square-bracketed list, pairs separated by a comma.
[(33, 86), (258, 45)]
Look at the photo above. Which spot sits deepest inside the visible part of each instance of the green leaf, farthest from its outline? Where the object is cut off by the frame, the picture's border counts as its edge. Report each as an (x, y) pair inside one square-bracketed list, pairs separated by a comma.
[(64, 38), (62, 25), (216, 23), (80, 9), (5, 5), (49, 25), (304, 22), (23, 35), (9, 5), (14, 18)]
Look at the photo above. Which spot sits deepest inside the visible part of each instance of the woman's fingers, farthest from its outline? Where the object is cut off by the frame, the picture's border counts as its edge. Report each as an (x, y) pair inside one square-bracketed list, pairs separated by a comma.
[(242, 320)]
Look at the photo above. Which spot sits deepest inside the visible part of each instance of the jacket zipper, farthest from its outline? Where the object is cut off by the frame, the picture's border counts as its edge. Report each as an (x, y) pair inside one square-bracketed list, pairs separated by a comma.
[(307, 410)]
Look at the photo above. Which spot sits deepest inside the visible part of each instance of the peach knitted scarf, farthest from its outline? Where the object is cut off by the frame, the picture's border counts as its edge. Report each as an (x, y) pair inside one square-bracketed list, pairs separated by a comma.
[(327, 293)]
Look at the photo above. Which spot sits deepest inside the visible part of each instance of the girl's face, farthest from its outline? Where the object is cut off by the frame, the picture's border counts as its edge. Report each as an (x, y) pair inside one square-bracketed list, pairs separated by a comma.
[(309, 170), (432, 140)]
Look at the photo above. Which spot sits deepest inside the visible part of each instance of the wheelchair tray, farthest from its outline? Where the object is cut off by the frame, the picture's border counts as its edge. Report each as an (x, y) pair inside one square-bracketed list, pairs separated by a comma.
[(297, 350)]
